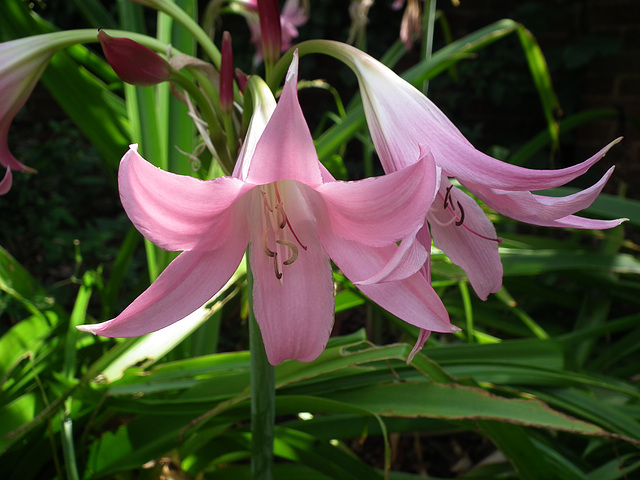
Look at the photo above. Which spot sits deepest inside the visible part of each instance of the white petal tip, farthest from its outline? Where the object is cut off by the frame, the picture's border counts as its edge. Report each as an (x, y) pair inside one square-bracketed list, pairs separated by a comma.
[(293, 68), (87, 328), (455, 329), (134, 147)]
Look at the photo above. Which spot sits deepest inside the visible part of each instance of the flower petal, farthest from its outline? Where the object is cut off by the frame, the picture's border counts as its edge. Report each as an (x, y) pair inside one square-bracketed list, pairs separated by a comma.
[(573, 221), (464, 233), (177, 212), (542, 210), (407, 260), (5, 184), (401, 117), (423, 336), (411, 299), (381, 210), (295, 313), (184, 286), (286, 151)]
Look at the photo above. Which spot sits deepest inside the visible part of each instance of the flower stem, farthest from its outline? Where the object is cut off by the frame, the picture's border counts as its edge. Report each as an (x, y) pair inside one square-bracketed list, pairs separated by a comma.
[(262, 397), (428, 25)]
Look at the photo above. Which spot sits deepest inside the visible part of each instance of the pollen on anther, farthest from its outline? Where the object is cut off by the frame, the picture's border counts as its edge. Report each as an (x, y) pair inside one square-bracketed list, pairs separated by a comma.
[(461, 221), (268, 252)]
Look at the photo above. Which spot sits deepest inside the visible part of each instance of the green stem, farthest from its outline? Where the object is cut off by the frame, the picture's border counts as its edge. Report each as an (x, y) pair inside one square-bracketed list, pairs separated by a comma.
[(428, 25), (218, 137), (183, 18), (262, 397)]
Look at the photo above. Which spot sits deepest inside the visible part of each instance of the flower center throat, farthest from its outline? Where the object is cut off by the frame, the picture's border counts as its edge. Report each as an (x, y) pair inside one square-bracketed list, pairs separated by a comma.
[(279, 240)]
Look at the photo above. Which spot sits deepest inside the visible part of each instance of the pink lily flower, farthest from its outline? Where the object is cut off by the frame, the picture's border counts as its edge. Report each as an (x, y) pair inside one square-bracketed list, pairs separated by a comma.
[(407, 122), (295, 217), (21, 65)]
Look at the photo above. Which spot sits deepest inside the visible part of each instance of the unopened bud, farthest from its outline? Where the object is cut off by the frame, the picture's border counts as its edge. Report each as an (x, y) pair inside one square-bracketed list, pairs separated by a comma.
[(132, 62), (270, 30), (241, 79), (226, 75)]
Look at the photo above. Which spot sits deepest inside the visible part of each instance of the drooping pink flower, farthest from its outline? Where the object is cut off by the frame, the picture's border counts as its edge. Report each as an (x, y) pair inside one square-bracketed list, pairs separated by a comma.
[(295, 217), (403, 123), (21, 65)]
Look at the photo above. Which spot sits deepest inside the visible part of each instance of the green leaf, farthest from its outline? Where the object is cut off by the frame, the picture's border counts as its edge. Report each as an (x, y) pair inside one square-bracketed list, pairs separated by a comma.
[(457, 402)]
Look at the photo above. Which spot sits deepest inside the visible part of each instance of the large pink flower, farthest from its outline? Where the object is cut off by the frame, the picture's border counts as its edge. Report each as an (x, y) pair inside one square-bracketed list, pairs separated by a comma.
[(21, 65), (405, 122), (295, 217)]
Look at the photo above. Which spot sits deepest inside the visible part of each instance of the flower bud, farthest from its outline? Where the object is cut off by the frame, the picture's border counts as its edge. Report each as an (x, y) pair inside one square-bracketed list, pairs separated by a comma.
[(270, 30), (226, 75), (134, 63)]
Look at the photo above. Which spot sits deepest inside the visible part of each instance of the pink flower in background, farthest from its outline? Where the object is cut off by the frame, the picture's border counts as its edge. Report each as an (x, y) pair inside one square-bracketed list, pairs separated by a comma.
[(295, 13), (21, 65), (411, 27), (295, 217)]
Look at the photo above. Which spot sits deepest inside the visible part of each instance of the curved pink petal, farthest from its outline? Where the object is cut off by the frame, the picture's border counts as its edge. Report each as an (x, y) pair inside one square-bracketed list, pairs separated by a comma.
[(406, 260), (178, 212), (401, 118), (183, 287), (294, 312), (5, 184), (378, 211), (423, 336), (286, 151), (542, 210), (411, 299), (464, 233), (17, 81), (573, 221)]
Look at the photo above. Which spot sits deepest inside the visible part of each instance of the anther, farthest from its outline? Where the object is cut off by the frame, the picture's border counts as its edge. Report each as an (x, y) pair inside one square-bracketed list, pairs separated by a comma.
[(265, 247), (275, 266), (461, 221), (282, 216), (294, 252), (447, 197)]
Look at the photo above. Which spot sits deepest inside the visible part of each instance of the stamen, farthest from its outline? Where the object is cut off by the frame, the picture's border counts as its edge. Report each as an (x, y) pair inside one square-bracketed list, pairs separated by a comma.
[(442, 224), (447, 196), (282, 216), (265, 200), (275, 266), (461, 221), (265, 247), (294, 252)]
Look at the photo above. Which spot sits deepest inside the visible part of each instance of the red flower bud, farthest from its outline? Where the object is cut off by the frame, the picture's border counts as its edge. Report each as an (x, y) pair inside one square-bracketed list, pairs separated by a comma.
[(134, 63), (226, 75), (270, 29), (241, 78)]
